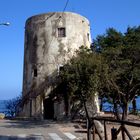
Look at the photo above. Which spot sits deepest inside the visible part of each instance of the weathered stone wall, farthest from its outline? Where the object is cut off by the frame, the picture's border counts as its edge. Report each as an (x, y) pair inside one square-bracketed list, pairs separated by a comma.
[(45, 51), (26, 110)]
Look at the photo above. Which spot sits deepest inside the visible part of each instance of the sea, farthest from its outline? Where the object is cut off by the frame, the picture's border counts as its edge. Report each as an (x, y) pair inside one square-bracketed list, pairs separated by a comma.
[(109, 107), (106, 106), (3, 106)]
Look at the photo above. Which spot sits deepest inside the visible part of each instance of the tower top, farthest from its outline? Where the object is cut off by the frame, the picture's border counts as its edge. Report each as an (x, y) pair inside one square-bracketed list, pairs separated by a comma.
[(46, 16)]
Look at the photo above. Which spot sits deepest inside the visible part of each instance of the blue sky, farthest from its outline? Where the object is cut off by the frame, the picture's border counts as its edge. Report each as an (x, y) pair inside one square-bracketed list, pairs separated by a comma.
[(102, 14)]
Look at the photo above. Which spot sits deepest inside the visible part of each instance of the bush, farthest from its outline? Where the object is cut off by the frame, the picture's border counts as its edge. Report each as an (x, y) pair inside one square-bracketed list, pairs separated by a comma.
[(13, 106), (2, 115)]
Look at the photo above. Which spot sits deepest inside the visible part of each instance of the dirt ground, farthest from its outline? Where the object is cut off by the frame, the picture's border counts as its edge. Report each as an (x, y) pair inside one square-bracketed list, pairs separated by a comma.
[(133, 130)]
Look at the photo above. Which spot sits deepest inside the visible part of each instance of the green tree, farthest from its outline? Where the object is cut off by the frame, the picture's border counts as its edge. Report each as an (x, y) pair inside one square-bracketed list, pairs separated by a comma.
[(81, 75), (122, 58), (80, 78)]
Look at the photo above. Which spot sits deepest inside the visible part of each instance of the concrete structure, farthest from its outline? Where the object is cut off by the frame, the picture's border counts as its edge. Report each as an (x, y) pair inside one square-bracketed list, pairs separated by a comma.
[(50, 41)]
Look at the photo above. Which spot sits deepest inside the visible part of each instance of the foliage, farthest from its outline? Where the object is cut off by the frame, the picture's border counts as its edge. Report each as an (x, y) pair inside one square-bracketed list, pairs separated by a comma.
[(12, 106), (81, 74), (112, 38)]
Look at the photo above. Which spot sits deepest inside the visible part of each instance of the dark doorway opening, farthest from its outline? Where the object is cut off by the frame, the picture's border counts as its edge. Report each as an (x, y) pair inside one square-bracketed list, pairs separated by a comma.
[(48, 108)]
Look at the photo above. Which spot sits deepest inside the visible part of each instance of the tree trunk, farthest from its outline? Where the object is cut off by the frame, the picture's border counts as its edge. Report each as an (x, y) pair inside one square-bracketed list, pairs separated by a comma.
[(134, 106), (91, 111), (116, 112), (88, 120), (101, 104), (125, 111), (124, 117)]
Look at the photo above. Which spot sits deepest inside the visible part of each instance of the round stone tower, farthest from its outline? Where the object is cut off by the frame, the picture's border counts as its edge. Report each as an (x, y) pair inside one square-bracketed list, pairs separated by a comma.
[(50, 41)]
